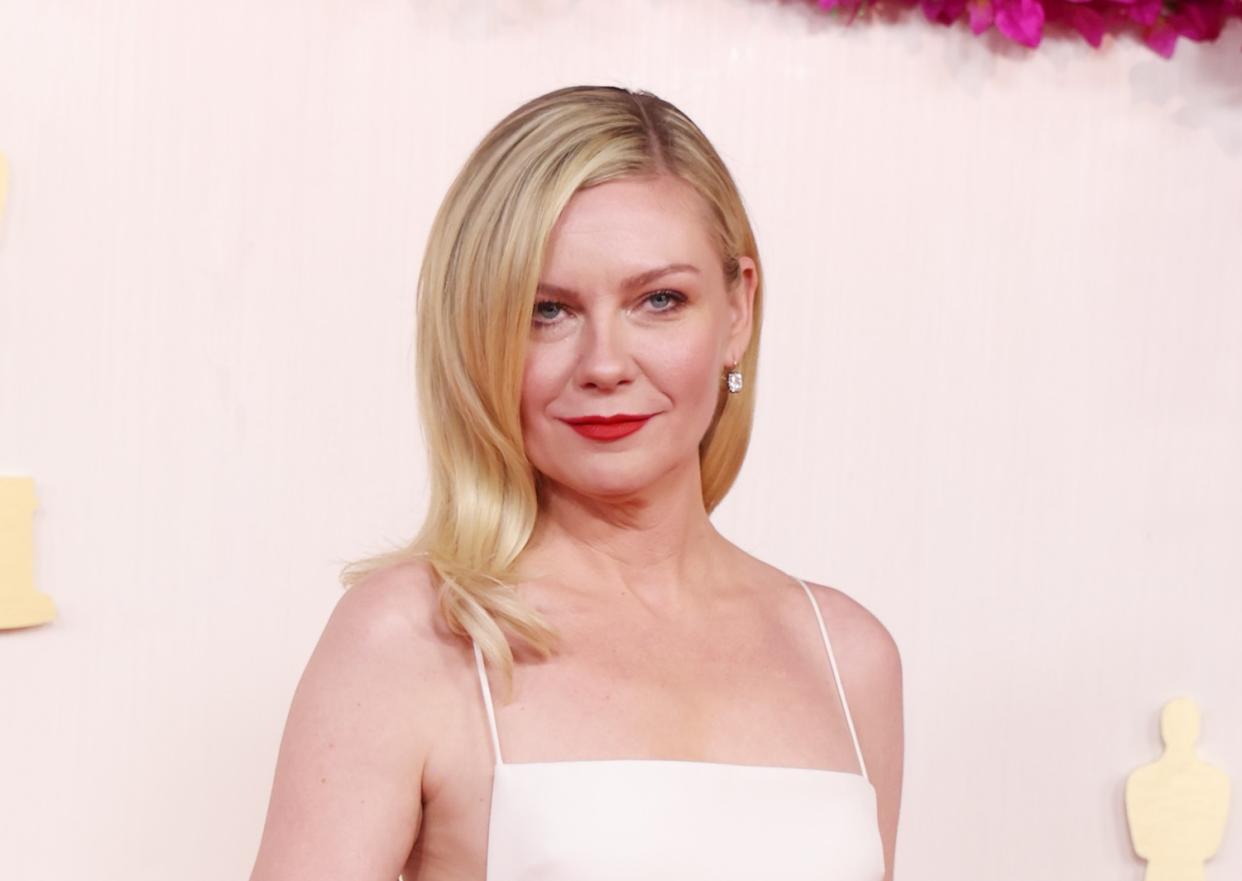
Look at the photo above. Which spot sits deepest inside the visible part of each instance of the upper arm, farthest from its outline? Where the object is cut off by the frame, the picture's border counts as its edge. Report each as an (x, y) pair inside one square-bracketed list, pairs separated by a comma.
[(870, 669), (346, 798)]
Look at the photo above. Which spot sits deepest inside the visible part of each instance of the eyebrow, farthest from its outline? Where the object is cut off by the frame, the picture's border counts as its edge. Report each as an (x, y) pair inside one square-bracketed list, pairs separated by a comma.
[(634, 281)]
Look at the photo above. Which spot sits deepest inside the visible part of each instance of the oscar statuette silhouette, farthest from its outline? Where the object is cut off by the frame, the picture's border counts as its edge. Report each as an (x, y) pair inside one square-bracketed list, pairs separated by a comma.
[(1177, 805)]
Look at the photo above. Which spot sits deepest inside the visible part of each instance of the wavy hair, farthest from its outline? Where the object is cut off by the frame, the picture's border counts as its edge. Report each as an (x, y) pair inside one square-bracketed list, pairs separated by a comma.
[(475, 296)]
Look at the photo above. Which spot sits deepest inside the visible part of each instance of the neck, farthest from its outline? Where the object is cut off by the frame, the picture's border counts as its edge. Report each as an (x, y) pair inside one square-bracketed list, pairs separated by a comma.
[(658, 544)]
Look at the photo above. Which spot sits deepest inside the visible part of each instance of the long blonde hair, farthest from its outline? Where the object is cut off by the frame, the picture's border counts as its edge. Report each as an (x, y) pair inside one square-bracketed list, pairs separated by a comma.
[(476, 292)]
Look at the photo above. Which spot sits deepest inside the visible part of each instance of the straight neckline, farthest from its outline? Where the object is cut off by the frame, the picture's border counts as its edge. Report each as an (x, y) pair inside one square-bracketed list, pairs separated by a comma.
[(745, 767)]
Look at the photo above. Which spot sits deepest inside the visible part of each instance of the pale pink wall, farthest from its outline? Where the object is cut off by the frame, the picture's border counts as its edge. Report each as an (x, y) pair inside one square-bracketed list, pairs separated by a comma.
[(1001, 386)]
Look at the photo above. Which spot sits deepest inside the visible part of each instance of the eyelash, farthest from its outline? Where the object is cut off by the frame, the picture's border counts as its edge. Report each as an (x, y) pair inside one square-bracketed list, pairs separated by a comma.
[(678, 301)]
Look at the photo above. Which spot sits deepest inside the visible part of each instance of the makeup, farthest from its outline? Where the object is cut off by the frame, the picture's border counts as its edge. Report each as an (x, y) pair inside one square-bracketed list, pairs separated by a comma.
[(608, 428)]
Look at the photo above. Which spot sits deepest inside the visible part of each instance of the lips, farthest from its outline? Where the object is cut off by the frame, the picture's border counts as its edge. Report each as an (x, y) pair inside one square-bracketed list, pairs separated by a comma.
[(608, 428), (608, 420)]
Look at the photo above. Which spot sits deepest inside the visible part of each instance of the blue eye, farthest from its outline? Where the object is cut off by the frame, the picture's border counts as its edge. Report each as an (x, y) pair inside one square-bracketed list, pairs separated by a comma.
[(546, 303), (676, 302)]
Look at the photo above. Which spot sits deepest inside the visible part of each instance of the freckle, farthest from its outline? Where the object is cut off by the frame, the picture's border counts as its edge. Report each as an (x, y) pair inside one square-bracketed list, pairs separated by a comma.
[(323, 779)]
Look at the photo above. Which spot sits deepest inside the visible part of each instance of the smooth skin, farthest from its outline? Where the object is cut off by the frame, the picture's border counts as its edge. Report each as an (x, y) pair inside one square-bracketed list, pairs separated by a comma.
[(676, 643)]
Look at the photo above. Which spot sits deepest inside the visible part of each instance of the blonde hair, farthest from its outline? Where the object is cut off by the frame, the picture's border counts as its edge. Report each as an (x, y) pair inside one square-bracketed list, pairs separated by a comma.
[(476, 293)]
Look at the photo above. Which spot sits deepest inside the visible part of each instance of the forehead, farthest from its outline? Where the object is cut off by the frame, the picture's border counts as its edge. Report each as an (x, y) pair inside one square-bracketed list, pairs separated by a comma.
[(632, 222)]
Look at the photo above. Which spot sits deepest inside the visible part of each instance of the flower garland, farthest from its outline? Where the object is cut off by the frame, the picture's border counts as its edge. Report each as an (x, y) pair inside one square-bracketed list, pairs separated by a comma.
[(1159, 22)]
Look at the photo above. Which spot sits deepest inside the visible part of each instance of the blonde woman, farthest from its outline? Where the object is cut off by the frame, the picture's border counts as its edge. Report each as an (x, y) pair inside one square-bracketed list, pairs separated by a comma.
[(569, 674)]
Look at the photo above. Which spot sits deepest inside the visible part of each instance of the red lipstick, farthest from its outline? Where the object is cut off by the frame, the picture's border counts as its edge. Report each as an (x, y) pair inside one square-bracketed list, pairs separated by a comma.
[(608, 428)]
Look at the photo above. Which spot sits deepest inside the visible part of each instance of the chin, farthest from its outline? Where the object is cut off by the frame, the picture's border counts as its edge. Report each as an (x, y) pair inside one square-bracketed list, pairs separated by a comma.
[(604, 486)]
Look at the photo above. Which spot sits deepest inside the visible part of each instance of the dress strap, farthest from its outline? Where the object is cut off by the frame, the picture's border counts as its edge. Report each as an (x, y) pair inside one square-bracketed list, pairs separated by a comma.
[(832, 661), (487, 701)]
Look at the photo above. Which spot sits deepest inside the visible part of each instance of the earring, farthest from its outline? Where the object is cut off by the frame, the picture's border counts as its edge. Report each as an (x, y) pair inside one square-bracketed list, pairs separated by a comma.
[(734, 378)]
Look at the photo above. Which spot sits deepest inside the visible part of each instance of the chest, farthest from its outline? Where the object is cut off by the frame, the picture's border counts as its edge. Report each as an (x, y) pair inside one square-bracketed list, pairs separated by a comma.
[(749, 687)]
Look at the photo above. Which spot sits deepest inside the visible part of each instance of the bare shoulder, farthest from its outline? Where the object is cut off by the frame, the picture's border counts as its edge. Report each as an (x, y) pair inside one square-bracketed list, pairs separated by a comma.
[(857, 632), (346, 797), (387, 636), (387, 627), (868, 661), (869, 664), (390, 605)]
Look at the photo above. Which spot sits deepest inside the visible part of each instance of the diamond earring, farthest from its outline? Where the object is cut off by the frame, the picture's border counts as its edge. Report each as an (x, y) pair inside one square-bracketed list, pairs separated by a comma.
[(734, 378)]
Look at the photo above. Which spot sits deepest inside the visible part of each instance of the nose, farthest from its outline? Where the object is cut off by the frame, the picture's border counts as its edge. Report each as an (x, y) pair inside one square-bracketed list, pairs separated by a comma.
[(604, 358)]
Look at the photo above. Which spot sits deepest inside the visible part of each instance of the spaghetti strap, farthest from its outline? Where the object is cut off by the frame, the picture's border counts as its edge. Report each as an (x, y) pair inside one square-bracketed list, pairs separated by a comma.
[(487, 701), (836, 677)]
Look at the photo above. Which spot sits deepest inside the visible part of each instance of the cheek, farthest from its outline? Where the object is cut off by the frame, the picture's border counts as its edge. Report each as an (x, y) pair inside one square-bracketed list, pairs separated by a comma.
[(689, 370), (543, 378), (532, 392)]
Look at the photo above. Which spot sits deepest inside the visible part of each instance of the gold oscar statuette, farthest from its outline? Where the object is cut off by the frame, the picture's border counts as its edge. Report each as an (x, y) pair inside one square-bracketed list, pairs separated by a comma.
[(1177, 805), (20, 604)]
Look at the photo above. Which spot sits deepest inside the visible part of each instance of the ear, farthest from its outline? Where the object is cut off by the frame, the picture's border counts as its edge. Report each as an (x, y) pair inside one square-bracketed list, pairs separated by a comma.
[(742, 307)]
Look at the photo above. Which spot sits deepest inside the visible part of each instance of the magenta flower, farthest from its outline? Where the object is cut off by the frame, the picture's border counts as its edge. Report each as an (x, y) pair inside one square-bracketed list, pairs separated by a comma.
[(1161, 37), (1020, 20), (1085, 20), (1145, 12), (943, 11), (980, 15), (1158, 23), (1201, 22)]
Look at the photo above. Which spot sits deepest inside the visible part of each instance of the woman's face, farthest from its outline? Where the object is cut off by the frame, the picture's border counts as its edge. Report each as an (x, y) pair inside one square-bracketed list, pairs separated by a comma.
[(632, 317)]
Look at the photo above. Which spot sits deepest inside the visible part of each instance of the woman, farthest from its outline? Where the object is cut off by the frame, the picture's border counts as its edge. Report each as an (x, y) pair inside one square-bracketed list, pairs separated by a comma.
[(588, 316)]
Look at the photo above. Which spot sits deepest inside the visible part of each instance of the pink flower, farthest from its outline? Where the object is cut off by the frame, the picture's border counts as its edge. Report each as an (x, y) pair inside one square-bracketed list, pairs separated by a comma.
[(980, 15), (1020, 20), (1160, 22), (1199, 21), (1145, 12), (1161, 37), (1085, 20), (943, 11)]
